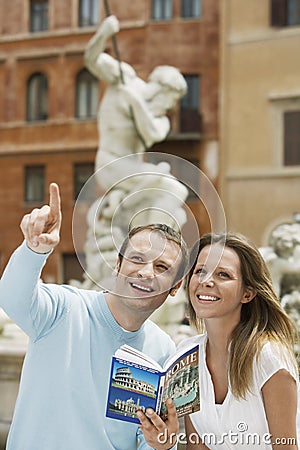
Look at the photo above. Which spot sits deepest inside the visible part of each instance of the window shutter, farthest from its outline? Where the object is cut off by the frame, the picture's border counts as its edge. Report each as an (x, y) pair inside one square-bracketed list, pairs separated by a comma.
[(278, 13), (292, 138)]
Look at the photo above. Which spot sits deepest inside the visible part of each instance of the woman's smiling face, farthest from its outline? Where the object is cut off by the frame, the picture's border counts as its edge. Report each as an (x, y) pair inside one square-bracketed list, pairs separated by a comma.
[(216, 287)]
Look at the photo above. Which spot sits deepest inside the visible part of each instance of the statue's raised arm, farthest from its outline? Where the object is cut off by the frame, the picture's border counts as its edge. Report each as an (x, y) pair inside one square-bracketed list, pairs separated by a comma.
[(99, 63), (133, 112)]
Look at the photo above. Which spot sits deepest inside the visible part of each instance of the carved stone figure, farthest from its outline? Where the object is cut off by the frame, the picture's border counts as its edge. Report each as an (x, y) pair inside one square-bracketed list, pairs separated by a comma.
[(132, 113), (132, 117), (283, 257)]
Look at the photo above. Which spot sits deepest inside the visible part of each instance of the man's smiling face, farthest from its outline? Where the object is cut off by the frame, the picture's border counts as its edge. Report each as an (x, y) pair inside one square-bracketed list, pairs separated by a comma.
[(148, 269)]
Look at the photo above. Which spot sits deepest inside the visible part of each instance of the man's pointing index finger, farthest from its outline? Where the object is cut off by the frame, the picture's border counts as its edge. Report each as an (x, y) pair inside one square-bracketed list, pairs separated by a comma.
[(54, 201)]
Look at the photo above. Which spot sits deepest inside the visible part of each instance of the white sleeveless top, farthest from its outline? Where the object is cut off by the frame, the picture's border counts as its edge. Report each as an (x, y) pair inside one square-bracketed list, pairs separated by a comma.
[(237, 423)]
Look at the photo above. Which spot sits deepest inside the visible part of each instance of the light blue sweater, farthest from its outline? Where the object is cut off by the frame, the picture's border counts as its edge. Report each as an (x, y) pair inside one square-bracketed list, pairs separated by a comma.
[(63, 390)]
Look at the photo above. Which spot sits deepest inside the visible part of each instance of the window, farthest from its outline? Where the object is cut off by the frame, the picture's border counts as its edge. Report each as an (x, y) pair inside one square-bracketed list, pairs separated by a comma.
[(89, 13), (72, 269), (291, 138), (87, 95), (162, 9), (190, 118), (285, 114), (293, 12), (285, 13), (38, 15), (34, 184), (191, 8), (82, 172), (37, 98)]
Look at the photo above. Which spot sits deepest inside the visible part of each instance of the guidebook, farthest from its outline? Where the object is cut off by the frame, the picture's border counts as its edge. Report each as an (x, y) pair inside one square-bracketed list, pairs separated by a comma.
[(137, 382)]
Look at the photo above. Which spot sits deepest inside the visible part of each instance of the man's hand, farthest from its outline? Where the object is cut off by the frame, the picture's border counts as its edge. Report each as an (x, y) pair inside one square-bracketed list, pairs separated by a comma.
[(160, 435), (42, 226)]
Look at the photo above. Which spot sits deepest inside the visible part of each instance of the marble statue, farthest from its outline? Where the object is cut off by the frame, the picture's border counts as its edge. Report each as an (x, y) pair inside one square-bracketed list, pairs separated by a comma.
[(282, 256), (132, 117), (132, 114)]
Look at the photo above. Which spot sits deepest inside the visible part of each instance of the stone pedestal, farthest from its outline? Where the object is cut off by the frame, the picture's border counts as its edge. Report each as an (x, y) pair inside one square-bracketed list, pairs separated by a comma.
[(12, 351)]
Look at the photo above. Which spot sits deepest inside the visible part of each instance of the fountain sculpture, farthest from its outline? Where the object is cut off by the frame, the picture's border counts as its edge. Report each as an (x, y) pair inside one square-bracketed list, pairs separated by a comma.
[(134, 191), (282, 256)]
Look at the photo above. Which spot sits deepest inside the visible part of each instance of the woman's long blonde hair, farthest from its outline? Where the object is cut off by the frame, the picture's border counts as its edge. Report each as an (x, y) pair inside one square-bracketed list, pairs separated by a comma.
[(262, 319)]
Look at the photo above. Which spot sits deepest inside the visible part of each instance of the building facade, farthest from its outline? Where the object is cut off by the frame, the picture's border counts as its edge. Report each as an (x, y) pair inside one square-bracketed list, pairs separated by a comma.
[(49, 101), (260, 114)]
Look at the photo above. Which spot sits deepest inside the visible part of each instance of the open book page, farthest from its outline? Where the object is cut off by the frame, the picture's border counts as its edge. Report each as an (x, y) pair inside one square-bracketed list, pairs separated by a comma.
[(131, 354)]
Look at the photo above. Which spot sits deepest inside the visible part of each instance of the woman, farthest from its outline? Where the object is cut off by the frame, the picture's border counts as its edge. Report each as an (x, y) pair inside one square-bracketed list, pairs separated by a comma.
[(248, 372)]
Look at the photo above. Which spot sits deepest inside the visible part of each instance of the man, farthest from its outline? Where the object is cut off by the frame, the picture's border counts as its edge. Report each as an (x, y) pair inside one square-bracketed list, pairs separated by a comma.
[(74, 333)]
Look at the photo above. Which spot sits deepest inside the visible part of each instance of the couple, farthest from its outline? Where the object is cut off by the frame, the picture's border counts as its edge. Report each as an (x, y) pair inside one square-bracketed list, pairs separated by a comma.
[(247, 375)]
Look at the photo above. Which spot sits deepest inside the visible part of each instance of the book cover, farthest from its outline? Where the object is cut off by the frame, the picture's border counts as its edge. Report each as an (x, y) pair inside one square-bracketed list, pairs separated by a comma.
[(137, 383), (181, 383)]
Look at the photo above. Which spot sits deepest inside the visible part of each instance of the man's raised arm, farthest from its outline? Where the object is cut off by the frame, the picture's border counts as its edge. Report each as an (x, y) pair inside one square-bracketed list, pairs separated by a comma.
[(20, 296)]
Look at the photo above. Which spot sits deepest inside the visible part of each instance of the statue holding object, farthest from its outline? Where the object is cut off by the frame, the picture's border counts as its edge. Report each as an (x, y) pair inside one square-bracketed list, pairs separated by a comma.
[(132, 117)]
